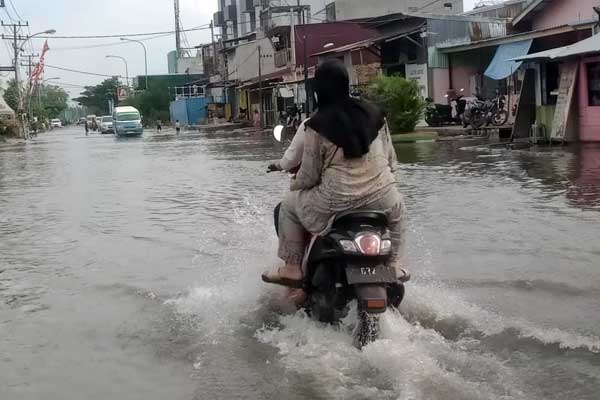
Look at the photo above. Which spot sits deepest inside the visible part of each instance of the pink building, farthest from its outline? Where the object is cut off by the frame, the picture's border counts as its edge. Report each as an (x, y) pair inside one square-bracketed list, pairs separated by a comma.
[(548, 63)]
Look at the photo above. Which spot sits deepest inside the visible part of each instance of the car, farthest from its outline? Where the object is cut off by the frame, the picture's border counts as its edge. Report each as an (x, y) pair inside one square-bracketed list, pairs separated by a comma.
[(106, 124), (55, 123), (81, 121)]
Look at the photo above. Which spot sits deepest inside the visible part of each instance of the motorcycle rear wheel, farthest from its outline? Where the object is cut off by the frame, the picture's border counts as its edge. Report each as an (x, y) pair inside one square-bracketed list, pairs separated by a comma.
[(500, 118), (366, 330)]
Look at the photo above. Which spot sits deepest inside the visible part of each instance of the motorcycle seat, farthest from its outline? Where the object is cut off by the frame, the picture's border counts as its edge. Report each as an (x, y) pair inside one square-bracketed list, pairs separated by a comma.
[(353, 216)]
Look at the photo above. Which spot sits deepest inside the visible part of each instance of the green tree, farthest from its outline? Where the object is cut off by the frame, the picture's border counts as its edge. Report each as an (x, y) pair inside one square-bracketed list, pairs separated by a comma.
[(10, 95), (152, 103), (400, 100), (49, 102), (95, 98), (52, 101)]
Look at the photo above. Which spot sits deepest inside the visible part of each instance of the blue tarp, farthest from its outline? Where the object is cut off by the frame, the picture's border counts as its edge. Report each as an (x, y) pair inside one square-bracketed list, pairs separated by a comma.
[(500, 67)]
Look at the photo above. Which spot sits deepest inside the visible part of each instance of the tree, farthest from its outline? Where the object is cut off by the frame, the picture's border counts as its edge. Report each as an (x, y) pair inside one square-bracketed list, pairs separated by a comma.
[(152, 103), (10, 95), (53, 101), (400, 100), (46, 101), (95, 98)]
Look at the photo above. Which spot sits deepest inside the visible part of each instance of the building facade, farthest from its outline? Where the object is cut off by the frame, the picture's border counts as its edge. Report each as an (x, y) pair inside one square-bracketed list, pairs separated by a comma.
[(353, 9)]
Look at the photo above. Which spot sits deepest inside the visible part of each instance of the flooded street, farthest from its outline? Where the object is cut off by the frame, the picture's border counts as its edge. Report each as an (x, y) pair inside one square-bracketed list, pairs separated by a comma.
[(129, 269)]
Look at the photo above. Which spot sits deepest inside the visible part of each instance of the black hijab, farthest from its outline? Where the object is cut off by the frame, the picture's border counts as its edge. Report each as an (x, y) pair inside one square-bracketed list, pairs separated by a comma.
[(349, 123)]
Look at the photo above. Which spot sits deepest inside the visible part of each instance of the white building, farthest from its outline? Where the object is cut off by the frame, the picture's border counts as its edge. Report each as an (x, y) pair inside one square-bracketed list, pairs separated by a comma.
[(351, 9)]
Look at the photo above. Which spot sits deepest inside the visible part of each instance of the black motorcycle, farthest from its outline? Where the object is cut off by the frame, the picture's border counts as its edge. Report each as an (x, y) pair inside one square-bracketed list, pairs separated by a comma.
[(446, 114), (351, 262), (437, 114)]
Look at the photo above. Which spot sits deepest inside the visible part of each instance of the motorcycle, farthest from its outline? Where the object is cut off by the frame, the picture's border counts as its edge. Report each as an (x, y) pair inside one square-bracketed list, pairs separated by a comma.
[(498, 116), (290, 119), (437, 114), (351, 262), (475, 112), (441, 114)]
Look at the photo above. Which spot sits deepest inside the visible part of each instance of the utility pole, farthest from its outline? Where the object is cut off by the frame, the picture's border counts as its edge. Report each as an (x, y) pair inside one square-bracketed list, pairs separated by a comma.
[(16, 50), (260, 97), (177, 29), (214, 47), (29, 66), (293, 44), (306, 102)]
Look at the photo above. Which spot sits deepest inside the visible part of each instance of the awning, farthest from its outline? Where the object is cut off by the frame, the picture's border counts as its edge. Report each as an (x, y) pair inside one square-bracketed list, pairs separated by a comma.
[(587, 46), (502, 65)]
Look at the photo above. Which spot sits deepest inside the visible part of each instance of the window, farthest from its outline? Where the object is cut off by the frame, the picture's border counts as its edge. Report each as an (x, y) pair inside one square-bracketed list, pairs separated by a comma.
[(330, 12), (593, 75)]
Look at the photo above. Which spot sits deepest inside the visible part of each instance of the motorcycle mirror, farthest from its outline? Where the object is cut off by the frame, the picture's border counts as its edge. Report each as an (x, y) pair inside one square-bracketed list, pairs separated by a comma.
[(278, 132)]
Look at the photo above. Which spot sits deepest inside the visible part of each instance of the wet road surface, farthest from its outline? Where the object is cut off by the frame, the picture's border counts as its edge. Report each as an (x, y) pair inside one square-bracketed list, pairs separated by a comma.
[(130, 268)]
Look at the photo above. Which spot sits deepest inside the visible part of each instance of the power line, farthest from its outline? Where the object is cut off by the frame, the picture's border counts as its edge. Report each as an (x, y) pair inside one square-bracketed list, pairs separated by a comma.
[(79, 71), (15, 10), (200, 28), (92, 46)]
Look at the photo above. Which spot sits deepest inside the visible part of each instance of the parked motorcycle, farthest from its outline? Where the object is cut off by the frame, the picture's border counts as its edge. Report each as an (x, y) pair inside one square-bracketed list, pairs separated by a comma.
[(498, 116), (437, 114), (445, 114), (475, 112), (351, 262)]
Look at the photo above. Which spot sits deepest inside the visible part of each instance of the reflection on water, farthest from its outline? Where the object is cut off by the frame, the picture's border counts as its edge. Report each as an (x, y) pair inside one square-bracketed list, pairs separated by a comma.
[(141, 259)]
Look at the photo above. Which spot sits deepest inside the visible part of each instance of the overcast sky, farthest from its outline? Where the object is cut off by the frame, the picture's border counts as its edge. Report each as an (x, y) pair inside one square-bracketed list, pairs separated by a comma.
[(93, 17)]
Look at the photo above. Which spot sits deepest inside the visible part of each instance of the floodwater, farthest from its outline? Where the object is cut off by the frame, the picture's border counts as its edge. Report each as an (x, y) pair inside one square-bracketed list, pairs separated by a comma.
[(129, 269)]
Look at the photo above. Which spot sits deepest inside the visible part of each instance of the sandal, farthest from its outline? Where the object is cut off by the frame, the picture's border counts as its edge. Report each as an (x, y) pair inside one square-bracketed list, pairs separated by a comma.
[(277, 279)]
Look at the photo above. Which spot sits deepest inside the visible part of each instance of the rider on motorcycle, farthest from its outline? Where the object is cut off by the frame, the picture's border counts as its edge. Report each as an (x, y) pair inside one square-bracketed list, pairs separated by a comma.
[(347, 163)]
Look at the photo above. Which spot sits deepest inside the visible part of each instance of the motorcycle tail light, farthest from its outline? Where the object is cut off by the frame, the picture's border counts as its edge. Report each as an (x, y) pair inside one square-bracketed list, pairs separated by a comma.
[(376, 304), (369, 244)]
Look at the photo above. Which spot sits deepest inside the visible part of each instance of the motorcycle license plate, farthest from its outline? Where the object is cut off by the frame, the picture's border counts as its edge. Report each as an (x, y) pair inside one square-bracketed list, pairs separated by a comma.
[(356, 274)]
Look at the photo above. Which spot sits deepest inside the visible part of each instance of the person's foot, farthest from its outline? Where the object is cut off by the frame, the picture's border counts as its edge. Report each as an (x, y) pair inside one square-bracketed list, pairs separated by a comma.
[(296, 296), (288, 275)]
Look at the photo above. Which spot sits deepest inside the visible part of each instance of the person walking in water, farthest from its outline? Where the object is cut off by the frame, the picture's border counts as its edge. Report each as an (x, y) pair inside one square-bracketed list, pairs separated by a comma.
[(257, 120), (177, 127), (87, 129), (158, 126)]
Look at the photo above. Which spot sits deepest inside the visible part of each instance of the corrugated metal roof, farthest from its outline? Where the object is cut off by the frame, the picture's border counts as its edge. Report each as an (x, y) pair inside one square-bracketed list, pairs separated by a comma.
[(587, 46), (456, 47)]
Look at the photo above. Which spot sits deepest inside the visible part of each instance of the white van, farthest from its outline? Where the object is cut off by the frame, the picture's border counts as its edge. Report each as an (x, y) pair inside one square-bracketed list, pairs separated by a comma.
[(127, 121)]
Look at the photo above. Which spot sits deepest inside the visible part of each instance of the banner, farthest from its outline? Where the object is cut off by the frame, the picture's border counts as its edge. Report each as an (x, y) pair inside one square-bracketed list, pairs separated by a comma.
[(38, 71)]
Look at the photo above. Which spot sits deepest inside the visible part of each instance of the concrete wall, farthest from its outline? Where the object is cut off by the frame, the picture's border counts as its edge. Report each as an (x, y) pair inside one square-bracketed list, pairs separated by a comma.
[(440, 83), (192, 65), (242, 63), (560, 12), (349, 9)]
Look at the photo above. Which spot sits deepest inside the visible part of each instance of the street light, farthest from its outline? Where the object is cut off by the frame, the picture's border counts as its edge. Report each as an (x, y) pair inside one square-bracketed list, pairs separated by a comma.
[(126, 67), (145, 58)]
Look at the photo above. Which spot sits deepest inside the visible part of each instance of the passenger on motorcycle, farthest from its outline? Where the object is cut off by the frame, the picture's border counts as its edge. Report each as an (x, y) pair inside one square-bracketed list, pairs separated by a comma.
[(347, 163)]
